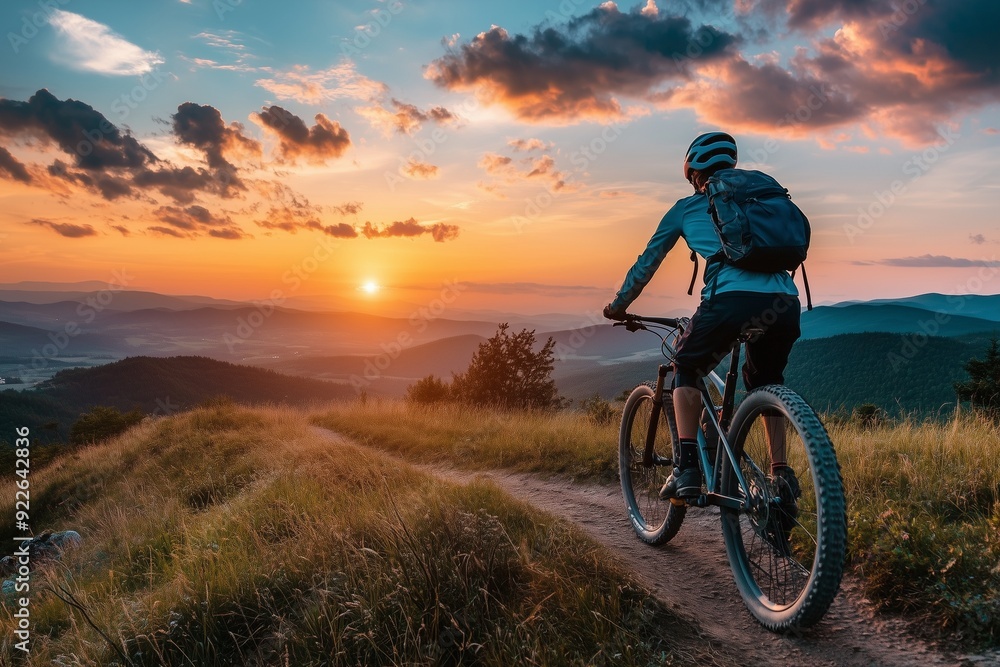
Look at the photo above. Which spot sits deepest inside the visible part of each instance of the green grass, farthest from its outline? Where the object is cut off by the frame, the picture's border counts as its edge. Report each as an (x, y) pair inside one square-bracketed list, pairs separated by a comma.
[(239, 536), (923, 498)]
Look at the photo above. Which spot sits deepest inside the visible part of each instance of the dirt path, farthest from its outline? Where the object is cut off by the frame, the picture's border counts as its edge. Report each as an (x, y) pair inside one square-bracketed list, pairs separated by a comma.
[(691, 575)]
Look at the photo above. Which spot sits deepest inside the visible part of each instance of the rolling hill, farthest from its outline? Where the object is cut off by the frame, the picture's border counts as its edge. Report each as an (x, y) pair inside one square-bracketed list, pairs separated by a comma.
[(155, 386)]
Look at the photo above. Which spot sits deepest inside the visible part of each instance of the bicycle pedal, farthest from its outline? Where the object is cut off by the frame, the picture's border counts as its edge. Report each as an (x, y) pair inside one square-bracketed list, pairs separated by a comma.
[(697, 501)]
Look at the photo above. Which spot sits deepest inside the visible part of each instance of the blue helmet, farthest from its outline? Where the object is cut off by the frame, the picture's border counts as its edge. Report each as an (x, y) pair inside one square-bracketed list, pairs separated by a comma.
[(708, 150)]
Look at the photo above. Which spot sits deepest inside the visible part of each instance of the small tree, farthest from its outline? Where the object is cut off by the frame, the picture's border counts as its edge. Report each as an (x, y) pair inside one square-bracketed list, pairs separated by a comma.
[(507, 372), (428, 390), (983, 387), (102, 423)]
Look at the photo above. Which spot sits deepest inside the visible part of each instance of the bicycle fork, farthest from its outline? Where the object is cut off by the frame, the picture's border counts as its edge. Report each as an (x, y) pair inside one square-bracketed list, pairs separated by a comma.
[(648, 456)]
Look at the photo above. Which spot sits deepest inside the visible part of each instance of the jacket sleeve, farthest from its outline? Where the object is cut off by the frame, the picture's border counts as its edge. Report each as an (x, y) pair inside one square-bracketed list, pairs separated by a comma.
[(663, 240)]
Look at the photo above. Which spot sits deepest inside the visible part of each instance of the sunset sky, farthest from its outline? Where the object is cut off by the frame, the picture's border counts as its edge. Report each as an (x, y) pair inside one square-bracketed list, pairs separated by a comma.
[(526, 150)]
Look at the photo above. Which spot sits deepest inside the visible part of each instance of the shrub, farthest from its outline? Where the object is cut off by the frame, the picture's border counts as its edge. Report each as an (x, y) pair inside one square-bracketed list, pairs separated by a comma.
[(428, 390), (599, 411), (102, 423)]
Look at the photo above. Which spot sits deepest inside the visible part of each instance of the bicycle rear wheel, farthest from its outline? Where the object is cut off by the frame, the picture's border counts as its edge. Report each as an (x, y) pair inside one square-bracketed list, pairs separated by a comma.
[(787, 554), (655, 521)]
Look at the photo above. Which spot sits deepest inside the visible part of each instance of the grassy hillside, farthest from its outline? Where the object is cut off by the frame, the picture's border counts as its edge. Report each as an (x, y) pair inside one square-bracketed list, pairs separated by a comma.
[(236, 536), (923, 498), (155, 386)]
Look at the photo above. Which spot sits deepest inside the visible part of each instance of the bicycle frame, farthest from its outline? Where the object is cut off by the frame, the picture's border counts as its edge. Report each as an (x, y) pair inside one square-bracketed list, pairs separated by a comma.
[(720, 416)]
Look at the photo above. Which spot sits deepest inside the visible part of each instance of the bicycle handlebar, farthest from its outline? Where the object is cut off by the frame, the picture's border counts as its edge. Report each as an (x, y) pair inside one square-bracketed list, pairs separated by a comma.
[(635, 322)]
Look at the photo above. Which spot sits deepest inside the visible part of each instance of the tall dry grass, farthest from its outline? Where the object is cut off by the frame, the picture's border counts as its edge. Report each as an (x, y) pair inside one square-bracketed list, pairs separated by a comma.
[(923, 497), (924, 512), (561, 442), (239, 536)]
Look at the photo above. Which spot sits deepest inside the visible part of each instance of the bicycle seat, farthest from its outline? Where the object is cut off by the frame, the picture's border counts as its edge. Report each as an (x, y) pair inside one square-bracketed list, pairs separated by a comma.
[(750, 334)]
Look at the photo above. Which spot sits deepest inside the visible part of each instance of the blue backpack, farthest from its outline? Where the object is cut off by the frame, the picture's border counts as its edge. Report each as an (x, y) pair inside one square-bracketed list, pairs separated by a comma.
[(758, 225)]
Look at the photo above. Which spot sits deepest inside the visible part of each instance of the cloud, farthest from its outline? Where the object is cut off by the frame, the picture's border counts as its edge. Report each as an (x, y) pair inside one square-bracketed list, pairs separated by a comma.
[(886, 70), (411, 228), (528, 145), (403, 118), (292, 221), (182, 183), (874, 66), (12, 167), (936, 261), (90, 46), (202, 126), (422, 170), (326, 139), (338, 82), (573, 72), (77, 128), (190, 218), (494, 163), (166, 231), (349, 208), (977, 239), (66, 229), (542, 168), (194, 221)]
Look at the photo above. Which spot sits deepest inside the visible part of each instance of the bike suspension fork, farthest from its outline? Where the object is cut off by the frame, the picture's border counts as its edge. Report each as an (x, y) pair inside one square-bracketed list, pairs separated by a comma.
[(654, 419)]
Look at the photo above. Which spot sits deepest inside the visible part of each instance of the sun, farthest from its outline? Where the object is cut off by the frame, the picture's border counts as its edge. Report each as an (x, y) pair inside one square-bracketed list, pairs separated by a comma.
[(369, 287)]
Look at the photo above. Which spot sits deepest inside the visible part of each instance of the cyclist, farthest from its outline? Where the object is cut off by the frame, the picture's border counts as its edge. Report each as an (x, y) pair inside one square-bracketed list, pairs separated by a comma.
[(732, 300)]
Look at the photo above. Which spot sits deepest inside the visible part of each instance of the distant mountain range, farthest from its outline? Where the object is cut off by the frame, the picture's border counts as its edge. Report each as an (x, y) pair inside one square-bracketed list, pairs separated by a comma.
[(45, 327)]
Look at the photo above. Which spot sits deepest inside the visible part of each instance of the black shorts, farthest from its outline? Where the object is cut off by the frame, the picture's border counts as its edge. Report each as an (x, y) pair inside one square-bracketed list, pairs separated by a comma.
[(717, 324)]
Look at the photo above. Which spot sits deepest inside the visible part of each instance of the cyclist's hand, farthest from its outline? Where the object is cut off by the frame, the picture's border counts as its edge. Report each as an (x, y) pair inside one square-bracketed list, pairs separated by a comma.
[(613, 314)]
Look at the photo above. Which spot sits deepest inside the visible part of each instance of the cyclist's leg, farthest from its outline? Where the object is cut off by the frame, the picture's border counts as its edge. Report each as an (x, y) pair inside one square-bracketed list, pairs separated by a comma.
[(766, 358), (705, 342)]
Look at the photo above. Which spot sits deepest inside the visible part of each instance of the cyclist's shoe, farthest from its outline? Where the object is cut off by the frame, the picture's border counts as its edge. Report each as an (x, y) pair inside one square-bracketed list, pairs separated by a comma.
[(683, 483), (786, 489), (784, 512)]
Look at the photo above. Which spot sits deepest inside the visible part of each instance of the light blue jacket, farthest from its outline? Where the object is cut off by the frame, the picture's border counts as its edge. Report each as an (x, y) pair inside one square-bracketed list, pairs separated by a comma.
[(690, 218)]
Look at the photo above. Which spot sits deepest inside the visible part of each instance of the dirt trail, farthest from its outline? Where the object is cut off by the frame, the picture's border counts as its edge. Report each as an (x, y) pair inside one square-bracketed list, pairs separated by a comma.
[(692, 576)]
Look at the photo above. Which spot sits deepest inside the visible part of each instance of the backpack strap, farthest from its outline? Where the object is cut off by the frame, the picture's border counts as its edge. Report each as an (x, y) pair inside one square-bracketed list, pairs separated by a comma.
[(805, 281), (694, 276)]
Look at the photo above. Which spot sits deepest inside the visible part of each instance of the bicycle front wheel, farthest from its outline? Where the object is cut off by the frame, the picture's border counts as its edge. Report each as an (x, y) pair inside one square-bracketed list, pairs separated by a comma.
[(786, 546), (655, 521)]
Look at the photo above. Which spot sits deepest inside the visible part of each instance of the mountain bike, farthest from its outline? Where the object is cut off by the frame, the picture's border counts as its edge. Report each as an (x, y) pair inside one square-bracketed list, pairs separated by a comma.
[(785, 546)]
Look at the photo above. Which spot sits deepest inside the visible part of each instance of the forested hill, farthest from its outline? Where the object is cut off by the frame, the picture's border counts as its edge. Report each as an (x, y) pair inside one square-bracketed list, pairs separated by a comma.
[(899, 373), (154, 385), (902, 373)]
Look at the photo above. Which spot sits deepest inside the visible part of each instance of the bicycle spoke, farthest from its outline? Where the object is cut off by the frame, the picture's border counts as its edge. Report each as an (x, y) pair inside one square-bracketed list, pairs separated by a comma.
[(655, 521), (775, 543)]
